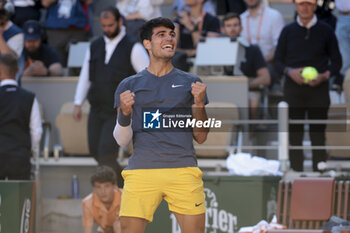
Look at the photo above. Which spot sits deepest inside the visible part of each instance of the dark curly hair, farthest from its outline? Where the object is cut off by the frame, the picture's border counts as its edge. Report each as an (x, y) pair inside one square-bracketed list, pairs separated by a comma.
[(146, 30), (103, 174)]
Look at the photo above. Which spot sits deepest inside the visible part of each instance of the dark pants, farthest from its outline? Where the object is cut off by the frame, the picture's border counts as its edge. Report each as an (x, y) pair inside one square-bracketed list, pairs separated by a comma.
[(15, 167), (313, 103), (102, 144)]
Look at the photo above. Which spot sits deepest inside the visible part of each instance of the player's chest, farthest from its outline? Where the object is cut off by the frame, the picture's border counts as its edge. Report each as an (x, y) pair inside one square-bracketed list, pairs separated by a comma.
[(164, 94)]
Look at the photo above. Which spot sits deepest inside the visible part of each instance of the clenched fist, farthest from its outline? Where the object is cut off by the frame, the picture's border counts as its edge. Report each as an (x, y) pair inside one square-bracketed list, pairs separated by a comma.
[(198, 91), (126, 102)]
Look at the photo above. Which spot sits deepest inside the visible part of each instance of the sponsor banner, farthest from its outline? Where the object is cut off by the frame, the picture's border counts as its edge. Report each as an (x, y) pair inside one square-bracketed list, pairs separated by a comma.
[(17, 206)]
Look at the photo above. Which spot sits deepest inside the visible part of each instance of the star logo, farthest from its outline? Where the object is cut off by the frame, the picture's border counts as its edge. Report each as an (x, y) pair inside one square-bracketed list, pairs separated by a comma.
[(156, 115)]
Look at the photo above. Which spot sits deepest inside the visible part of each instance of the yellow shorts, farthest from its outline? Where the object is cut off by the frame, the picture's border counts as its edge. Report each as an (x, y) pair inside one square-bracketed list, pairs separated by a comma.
[(144, 189)]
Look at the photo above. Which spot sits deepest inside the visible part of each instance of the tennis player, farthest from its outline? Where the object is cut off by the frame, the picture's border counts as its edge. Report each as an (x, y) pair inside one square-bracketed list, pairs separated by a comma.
[(163, 164)]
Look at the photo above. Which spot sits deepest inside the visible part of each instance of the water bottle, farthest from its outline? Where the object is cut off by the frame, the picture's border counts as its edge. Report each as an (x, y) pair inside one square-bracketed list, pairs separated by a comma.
[(75, 187)]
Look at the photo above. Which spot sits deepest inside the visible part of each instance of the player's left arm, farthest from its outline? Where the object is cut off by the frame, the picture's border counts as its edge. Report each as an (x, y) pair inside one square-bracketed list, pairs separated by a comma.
[(198, 110)]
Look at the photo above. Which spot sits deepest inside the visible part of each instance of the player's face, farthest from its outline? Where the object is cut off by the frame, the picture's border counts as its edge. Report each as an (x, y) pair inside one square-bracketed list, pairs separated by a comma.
[(252, 3), (232, 27), (104, 191), (110, 26), (163, 43), (32, 45), (305, 10)]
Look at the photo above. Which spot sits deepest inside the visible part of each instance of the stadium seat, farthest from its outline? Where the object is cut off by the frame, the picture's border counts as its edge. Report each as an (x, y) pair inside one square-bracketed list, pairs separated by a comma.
[(340, 136), (73, 133), (218, 144), (76, 54), (209, 54), (308, 203)]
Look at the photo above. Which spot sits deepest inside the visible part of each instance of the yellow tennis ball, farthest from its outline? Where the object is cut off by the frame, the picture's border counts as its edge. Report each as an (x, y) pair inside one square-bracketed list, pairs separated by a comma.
[(309, 73)]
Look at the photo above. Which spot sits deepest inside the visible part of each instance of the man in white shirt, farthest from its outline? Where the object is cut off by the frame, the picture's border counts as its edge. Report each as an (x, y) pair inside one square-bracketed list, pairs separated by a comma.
[(342, 32), (20, 123), (111, 58), (262, 26)]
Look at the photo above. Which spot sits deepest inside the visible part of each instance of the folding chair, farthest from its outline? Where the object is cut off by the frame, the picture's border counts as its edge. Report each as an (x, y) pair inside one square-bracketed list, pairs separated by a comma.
[(308, 203), (73, 133)]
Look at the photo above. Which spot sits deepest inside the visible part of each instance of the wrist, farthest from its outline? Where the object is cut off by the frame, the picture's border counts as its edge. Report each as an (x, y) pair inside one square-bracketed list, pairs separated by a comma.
[(287, 70), (201, 105), (123, 120)]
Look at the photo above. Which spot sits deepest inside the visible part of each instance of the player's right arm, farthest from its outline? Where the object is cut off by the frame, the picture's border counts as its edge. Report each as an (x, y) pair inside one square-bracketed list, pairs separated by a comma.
[(123, 131)]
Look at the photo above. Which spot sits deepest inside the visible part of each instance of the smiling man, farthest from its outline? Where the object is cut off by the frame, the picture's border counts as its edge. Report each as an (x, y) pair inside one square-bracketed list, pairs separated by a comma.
[(163, 165), (103, 204)]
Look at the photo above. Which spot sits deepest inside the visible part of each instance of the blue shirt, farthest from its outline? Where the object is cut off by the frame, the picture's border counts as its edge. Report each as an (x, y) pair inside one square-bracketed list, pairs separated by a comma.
[(159, 148)]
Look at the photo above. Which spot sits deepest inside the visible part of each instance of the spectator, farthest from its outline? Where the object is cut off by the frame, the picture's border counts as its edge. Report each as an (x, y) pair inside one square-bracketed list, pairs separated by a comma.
[(136, 13), (343, 32), (262, 26), (111, 58), (67, 21), (11, 40), (26, 10), (103, 204), (253, 66), (20, 123), (40, 59), (307, 42), (192, 25), (208, 6)]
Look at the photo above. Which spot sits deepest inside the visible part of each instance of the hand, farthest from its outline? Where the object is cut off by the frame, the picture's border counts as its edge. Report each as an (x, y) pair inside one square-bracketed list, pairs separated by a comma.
[(319, 79), (295, 74), (198, 91), (37, 68), (126, 102), (186, 20), (77, 113)]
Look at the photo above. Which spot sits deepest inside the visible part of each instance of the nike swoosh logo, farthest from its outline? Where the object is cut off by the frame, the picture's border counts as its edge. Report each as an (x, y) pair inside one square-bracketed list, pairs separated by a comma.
[(174, 86), (198, 204)]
